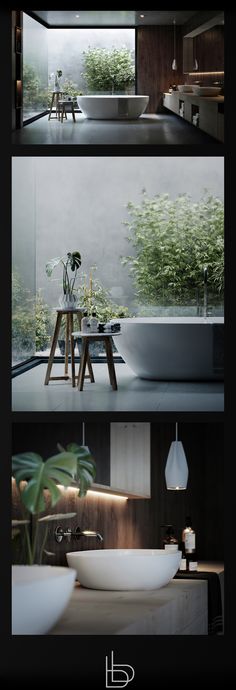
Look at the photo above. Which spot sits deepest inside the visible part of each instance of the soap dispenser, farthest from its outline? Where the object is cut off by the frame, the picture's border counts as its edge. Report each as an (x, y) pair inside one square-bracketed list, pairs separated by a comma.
[(170, 543), (85, 326)]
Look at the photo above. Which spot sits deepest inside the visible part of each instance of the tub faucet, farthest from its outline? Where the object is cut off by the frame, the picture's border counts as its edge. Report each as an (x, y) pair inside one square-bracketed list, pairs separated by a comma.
[(70, 534), (205, 303)]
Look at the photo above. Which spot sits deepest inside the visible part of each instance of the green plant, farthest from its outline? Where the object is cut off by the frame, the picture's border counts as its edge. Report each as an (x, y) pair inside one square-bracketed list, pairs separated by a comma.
[(94, 296), (108, 70), (73, 463), (23, 316), (34, 92), (173, 241), (43, 323), (71, 261)]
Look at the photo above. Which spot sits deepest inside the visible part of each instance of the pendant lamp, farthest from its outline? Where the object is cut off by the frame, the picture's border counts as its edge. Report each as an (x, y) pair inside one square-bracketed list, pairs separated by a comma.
[(176, 471), (174, 62)]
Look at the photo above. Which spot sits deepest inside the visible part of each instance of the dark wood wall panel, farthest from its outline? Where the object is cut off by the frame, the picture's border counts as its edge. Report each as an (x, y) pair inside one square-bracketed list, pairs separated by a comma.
[(136, 523), (155, 47), (209, 51)]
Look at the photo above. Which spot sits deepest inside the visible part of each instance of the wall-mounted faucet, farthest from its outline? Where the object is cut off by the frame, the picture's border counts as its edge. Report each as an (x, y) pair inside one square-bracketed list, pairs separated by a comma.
[(70, 534)]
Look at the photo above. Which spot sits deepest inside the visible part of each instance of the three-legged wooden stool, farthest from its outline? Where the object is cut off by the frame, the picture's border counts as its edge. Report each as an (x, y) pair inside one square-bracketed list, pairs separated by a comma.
[(87, 338), (69, 342), (55, 98), (62, 109)]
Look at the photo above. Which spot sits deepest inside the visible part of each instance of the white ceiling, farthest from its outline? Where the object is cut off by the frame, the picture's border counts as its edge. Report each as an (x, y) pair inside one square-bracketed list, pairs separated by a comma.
[(111, 18)]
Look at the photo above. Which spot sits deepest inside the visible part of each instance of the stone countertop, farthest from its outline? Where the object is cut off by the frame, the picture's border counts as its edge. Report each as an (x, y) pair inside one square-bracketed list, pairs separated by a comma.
[(180, 608), (208, 99)]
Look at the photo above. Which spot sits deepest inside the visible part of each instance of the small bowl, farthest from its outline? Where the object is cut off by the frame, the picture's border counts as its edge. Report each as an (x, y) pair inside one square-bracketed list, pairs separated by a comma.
[(184, 88)]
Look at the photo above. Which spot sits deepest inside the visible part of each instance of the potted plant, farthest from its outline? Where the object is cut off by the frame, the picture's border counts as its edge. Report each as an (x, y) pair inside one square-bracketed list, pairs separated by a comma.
[(40, 593), (95, 297), (33, 476), (71, 262)]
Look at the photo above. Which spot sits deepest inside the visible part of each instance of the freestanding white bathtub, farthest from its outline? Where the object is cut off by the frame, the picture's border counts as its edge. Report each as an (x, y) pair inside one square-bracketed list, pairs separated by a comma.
[(110, 107), (173, 348)]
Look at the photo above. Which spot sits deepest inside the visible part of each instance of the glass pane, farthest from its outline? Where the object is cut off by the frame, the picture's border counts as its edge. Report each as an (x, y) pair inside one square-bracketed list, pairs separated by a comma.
[(111, 59), (35, 68), (23, 259)]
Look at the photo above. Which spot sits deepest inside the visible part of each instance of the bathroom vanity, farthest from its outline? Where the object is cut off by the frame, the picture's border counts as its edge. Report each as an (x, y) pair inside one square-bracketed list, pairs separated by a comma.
[(210, 111), (180, 608)]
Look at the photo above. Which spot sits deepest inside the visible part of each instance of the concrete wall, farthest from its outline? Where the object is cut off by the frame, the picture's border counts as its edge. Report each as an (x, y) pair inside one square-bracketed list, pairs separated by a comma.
[(80, 203)]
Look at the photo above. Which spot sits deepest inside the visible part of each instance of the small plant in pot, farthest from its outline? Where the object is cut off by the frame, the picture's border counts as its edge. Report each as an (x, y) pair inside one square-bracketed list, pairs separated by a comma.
[(70, 263)]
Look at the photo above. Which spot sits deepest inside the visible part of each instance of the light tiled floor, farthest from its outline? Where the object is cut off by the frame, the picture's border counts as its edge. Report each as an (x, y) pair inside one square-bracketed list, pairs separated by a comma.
[(133, 394), (163, 128)]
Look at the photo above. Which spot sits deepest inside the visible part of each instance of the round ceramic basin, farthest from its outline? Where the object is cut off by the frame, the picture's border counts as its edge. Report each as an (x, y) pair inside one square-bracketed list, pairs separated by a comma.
[(124, 569), (40, 594)]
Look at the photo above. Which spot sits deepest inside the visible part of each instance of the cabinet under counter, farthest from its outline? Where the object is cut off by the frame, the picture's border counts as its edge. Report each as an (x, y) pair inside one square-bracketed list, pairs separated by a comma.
[(209, 108)]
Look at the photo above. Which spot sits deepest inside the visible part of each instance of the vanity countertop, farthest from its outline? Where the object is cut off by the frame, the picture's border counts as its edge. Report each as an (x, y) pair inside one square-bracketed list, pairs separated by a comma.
[(180, 608), (191, 95)]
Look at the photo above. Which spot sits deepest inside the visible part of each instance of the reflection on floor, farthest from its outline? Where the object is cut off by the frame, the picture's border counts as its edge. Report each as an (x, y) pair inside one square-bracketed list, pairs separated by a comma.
[(148, 129), (133, 394)]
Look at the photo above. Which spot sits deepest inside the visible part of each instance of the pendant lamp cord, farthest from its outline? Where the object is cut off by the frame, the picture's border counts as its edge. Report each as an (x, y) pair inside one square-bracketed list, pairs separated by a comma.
[(83, 434), (176, 431), (174, 40)]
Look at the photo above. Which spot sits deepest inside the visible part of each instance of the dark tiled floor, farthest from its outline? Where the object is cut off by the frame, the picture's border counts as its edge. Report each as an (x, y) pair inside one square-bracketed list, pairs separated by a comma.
[(148, 129)]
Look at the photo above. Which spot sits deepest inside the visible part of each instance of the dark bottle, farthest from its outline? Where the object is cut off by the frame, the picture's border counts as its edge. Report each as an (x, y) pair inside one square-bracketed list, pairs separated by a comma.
[(183, 562), (189, 539), (170, 543)]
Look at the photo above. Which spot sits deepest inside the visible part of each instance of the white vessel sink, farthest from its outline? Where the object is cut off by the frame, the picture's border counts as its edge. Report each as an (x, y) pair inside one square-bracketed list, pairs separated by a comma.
[(184, 88), (40, 594), (124, 569), (206, 90)]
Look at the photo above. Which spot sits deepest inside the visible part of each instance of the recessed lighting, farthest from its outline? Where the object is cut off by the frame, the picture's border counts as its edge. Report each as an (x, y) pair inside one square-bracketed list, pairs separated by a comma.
[(142, 16), (77, 16)]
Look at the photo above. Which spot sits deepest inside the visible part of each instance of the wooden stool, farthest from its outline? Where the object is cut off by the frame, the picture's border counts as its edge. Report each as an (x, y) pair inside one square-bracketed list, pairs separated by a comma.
[(62, 105), (87, 338), (69, 314), (55, 97)]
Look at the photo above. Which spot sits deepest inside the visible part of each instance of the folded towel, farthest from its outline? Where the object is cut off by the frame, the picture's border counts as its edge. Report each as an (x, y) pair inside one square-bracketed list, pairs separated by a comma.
[(215, 620)]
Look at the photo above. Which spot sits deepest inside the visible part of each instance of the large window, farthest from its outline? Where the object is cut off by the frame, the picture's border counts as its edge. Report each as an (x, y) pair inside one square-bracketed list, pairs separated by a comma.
[(91, 205), (93, 60), (23, 260), (35, 68)]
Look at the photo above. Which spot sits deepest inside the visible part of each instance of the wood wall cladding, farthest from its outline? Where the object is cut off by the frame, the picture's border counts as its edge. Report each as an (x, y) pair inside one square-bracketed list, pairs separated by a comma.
[(209, 51), (136, 523), (155, 47)]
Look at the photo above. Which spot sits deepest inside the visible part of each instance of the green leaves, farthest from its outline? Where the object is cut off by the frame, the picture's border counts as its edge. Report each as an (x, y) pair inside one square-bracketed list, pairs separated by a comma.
[(108, 70), (42, 475), (173, 240), (74, 260), (85, 468), (50, 265)]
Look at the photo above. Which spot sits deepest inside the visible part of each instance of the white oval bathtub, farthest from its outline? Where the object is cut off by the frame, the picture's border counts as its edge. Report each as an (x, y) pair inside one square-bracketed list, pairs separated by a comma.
[(113, 107), (173, 348)]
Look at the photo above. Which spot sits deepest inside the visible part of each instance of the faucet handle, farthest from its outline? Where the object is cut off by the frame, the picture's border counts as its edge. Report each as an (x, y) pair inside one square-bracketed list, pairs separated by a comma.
[(60, 534)]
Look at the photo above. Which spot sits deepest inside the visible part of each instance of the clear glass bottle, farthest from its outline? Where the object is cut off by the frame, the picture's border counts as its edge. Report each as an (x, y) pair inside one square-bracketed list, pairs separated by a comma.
[(94, 322), (85, 326)]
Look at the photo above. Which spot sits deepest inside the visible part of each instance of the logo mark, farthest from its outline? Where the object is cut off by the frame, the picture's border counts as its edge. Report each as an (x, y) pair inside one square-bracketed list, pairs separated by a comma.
[(118, 675)]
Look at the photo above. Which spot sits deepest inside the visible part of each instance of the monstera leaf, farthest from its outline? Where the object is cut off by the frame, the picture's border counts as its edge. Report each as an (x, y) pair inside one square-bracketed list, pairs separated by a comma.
[(86, 466), (75, 260), (50, 265), (42, 475)]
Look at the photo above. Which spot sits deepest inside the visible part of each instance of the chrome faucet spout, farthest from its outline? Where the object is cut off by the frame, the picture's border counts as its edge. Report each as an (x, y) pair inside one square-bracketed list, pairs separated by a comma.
[(89, 533)]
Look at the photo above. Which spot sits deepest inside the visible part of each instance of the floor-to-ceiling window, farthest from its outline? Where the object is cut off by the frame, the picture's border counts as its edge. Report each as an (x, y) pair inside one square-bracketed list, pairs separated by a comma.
[(35, 68), (93, 60), (23, 260)]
